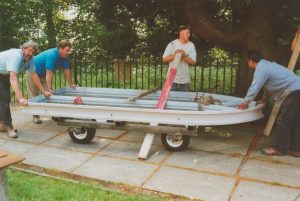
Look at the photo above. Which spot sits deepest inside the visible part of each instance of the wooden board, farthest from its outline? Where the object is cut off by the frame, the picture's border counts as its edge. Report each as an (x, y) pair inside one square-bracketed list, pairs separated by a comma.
[(276, 107), (132, 99), (149, 137), (169, 82), (9, 159), (2, 153)]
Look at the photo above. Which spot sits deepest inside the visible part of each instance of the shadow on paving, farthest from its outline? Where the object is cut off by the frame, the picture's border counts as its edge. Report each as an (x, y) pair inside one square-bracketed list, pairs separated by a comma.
[(215, 167)]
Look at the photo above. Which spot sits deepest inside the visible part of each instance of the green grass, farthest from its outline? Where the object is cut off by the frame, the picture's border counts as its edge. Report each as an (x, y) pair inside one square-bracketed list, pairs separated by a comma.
[(29, 187)]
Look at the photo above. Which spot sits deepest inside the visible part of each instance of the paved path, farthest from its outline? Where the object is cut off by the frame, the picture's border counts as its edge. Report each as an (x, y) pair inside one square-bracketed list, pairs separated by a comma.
[(214, 168)]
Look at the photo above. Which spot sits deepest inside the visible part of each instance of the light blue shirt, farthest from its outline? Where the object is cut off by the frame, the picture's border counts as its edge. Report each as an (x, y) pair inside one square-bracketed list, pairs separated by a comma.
[(12, 60), (49, 60), (277, 81)]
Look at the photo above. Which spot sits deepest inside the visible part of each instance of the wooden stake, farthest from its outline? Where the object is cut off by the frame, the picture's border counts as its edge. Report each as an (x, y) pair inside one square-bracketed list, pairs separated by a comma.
[(133, 99), (146, 146), (291, 66)]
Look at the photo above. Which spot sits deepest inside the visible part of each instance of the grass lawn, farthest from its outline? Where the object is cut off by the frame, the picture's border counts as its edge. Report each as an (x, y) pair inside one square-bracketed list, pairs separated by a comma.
[(31, 187)]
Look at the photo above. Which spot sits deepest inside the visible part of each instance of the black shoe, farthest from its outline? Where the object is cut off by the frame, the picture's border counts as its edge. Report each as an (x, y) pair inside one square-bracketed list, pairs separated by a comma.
[(294, 153), (271, 151), (36, 119)]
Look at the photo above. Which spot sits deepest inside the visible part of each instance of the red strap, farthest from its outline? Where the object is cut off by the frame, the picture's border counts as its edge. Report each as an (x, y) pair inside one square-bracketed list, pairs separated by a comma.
[(78, 101)]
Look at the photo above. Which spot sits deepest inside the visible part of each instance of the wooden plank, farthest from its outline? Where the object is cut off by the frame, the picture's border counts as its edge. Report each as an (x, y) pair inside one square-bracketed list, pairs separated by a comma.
[(291, 66), (3, 153), (132, 99), (10, 159), (271, 120), (296, 51), (169, 82), (148, 140)]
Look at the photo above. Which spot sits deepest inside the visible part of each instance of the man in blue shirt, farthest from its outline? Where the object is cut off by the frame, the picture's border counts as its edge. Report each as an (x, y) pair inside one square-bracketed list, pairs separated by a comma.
[(45, 65), (284, 86), (12, 62)]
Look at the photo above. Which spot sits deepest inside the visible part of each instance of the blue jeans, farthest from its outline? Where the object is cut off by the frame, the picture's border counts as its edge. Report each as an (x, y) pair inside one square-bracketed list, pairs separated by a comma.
[(5, 115), (180, 87), (287, 133)]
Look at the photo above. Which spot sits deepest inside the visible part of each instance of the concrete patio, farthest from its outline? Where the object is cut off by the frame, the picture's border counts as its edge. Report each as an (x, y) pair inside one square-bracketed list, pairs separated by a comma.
[(215, 167)]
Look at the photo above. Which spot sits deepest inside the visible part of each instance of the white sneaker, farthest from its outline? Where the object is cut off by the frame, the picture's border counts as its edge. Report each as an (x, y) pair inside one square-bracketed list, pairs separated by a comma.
[(12, 133)]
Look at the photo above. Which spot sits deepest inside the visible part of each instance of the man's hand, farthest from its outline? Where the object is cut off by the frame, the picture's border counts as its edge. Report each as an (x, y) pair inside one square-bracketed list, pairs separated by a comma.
[(243, 106), (47, 93), (179, 51), (23, 101), (51, 91), (264, 102), (73, 86)]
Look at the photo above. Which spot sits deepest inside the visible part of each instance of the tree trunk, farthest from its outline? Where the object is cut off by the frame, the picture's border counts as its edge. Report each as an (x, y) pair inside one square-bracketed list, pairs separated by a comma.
[(50, 29), (257, 31)]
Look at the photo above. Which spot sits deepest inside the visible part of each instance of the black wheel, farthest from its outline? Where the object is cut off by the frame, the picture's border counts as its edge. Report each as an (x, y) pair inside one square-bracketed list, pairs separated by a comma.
[(175, 142), (82, 135)]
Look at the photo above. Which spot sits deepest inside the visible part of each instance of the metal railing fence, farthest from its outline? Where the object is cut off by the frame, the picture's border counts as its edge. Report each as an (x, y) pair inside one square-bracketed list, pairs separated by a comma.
[(147, 72)]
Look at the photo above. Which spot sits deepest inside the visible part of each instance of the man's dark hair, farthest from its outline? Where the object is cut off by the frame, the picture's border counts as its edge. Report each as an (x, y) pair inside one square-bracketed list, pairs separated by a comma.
[(183, 27), (64, 43), (254, 55)]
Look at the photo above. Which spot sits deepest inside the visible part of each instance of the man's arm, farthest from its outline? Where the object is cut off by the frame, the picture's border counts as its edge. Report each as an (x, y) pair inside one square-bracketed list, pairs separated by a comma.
[(16, 87), (189, 60), (171, 57), (259, 79), (69, 78), (49, 78), (190, 57), (38, 83)]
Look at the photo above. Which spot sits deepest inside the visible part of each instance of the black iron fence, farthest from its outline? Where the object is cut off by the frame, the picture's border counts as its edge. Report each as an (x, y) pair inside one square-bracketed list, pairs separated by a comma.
[(214, 75)]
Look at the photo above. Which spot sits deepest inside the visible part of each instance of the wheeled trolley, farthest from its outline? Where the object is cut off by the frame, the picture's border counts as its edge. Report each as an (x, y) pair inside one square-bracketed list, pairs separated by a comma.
[(114, 109)]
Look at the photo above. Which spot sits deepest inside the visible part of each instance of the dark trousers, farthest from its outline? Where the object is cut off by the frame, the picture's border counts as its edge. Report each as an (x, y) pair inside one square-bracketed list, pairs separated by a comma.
[(180, 87), (5, 115), (287, 133)]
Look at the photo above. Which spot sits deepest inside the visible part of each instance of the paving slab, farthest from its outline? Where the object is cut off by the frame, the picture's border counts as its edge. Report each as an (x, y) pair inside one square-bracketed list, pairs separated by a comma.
[(266, 142), (204, 171), (249, 191), (116, 170), (220, 146), (138, 137), (207, 161), (17, 147), (225, 139), (2, 141), (131, 150), (288, 159), (113, 134), (36, 136), (46, 123), (64, 141), (191, 184), (55, 158), (272, 172), (18, 117), (21, 119)]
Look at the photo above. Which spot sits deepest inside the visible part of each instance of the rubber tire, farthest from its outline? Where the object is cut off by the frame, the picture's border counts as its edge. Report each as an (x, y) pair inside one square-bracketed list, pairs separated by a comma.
[(89, 136), (186, 141)]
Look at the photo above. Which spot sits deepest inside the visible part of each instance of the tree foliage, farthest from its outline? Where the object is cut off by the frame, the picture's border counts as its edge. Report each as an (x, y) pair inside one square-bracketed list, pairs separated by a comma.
[(117, 27)]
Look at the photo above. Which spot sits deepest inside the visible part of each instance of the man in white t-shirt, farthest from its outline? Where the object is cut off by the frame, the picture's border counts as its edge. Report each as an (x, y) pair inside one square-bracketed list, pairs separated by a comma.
[(187, 48)]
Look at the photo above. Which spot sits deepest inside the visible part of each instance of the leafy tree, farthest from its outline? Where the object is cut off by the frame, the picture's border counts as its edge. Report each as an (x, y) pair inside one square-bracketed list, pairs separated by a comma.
[(231, 24)]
